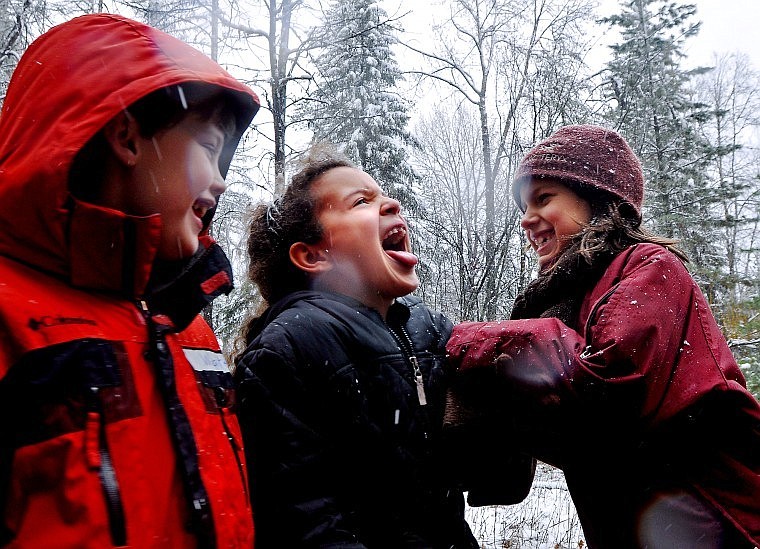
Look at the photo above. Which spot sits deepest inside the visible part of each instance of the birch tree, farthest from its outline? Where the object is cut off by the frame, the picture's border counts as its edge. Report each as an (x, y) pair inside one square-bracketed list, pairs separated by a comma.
[(491, 51), (448, 238), (732, 92), (269, 51), (21, 21)]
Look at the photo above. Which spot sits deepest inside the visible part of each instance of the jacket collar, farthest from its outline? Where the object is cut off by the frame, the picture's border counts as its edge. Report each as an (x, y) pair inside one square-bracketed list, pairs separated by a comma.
[(120, 257), (399, 309), (185, 288), (111, 251)]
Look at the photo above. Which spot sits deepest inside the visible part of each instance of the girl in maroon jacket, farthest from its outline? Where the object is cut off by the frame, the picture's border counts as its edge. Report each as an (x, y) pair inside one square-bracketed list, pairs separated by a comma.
[(613, 367)]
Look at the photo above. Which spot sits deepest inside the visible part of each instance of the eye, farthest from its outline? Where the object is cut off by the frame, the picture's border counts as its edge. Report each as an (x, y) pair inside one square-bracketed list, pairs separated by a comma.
[(211, 140), (212, 148), (360, 201), (543, 198)]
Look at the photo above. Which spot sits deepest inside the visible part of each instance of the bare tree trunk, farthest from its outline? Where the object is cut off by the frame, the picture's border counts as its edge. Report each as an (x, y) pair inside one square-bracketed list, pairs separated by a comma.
[(497, 50)]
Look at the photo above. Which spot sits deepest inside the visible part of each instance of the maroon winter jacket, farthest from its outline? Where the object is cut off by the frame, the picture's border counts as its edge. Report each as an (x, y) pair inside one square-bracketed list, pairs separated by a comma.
[(640, 402)]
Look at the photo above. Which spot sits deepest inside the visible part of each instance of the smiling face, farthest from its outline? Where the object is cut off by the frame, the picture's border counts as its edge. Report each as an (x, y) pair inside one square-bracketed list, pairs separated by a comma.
[(553, 214), (365, 245), (176, 174)]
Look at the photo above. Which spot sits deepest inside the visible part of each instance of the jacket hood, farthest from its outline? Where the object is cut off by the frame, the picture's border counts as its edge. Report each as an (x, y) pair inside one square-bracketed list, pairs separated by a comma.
[(69, 83)]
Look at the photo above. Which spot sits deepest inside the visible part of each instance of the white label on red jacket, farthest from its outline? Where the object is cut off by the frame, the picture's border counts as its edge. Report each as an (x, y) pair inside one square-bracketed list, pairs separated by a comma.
[(203, 360)]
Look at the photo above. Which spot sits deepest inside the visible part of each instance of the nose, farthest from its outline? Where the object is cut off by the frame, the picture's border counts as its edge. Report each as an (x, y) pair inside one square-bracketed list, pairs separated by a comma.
[(528, 218), (390, 206), (218, 185)]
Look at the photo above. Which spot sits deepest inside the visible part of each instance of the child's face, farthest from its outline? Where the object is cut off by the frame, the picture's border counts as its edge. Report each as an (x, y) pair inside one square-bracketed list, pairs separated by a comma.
[(177, 176), (366, 241), (553, 213)]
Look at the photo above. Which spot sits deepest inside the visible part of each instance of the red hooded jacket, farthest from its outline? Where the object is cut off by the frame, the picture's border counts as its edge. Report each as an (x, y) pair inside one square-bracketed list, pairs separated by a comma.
[(115, 404), (640, 402)]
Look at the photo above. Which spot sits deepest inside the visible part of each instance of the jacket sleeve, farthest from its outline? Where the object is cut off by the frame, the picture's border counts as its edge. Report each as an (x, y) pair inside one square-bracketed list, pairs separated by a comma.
[(561, 385), (292, 473)]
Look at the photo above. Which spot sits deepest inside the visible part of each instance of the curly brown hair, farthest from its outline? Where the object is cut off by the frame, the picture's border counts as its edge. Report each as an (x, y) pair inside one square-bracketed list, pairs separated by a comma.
[(273, 228)]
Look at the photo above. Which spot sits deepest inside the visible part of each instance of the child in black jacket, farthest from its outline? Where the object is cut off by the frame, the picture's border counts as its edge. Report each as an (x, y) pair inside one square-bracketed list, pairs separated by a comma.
[(342, 383)]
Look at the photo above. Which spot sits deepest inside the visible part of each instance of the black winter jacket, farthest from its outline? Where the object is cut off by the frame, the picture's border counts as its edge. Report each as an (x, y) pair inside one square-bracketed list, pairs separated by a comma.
[(341, 450)]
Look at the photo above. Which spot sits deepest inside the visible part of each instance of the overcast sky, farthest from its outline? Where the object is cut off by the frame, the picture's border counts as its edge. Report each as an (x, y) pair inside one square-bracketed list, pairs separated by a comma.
[(728, 26)]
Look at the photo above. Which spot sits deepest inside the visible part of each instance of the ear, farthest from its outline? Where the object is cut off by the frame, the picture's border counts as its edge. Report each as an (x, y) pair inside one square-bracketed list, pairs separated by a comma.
[(121, 133), (310, 258)]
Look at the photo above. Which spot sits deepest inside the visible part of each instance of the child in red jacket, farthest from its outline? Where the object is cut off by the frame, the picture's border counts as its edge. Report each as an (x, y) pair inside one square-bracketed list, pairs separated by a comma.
[(613, 367), (116, 426)]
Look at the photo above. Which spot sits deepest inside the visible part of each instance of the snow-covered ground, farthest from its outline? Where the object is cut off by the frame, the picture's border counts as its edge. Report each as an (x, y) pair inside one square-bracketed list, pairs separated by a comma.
[(545, 520)]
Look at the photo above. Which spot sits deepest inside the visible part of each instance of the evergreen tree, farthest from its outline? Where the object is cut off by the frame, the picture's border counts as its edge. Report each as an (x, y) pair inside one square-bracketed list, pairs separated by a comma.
[(356, 105), (654, 110)]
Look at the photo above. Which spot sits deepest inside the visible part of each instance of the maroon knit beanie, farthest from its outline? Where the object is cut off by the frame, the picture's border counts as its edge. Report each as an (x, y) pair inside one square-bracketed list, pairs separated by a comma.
[(589, 157)]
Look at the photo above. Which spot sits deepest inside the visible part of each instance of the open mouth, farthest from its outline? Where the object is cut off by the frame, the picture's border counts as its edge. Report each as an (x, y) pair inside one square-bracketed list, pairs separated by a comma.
[(199, 210), (544, 244), (395, 240), (541, 239), (396, 245)]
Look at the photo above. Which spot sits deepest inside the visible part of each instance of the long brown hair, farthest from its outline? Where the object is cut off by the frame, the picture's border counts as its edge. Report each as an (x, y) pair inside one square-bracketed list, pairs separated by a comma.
[(614, 226)]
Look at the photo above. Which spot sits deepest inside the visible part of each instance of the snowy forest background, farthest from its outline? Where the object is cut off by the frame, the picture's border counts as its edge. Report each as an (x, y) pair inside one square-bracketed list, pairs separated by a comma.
[(441, 113)]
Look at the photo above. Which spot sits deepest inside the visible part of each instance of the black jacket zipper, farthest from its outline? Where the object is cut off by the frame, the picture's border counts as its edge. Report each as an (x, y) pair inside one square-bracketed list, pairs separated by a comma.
[(183, 440), (101, 460), (407, 348)]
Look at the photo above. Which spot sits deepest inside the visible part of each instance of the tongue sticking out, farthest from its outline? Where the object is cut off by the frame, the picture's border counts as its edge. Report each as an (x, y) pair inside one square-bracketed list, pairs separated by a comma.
[(395, 245), (405, 258)]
